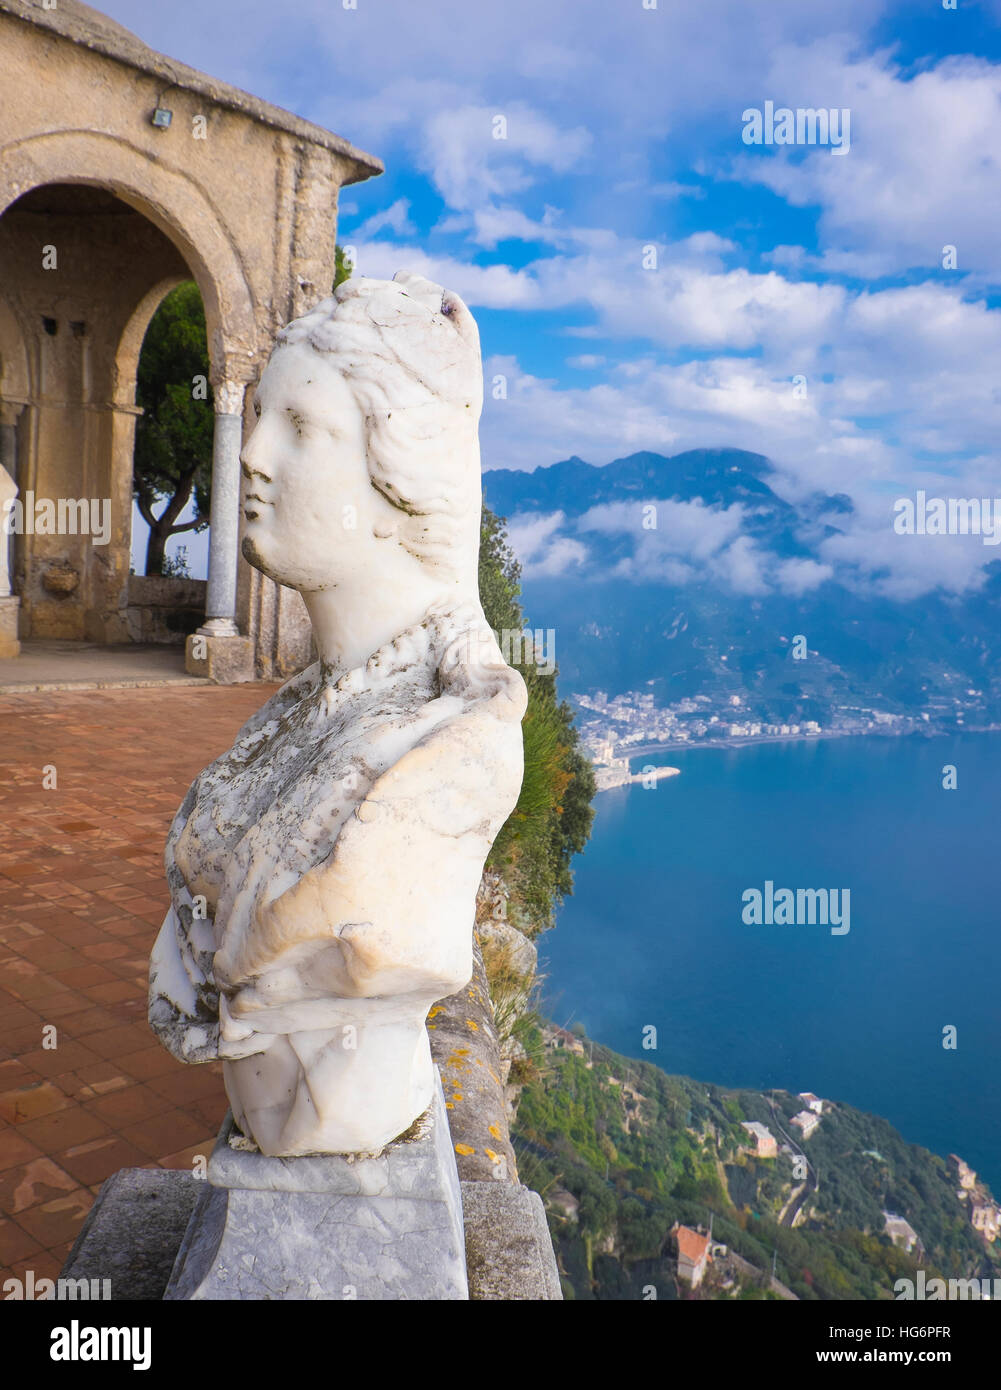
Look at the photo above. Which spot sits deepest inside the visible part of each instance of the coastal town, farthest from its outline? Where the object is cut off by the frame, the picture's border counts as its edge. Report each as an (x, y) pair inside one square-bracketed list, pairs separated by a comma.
[(616, 728)]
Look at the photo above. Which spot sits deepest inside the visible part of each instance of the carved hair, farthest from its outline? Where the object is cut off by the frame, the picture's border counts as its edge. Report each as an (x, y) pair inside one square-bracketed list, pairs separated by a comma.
[(410, 352)]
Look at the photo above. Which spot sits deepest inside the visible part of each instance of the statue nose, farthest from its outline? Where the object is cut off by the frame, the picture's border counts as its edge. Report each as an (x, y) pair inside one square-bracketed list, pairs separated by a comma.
[(250, 463)]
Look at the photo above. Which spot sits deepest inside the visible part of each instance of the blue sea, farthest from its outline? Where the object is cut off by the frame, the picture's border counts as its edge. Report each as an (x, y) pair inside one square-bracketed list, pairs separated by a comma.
[(654, 932)]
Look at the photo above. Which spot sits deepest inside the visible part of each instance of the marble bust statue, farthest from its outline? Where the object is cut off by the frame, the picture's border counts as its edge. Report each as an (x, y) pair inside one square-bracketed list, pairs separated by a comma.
[(323, 871)]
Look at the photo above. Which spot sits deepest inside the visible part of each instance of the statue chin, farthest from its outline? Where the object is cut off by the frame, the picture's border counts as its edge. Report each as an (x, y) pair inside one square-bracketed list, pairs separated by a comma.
[(251, 552)]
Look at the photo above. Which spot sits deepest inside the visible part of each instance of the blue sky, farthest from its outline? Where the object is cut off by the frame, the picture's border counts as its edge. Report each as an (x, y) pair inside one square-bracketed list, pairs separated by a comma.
[(624, 131)]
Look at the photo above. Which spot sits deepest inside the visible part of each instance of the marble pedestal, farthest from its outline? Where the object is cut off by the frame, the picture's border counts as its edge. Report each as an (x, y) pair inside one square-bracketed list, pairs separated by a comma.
[(329, 1226), (9, 644)]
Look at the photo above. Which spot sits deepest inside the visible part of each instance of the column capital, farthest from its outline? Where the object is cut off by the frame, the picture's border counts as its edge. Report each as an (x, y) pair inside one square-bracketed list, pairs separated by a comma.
[(228, 396)]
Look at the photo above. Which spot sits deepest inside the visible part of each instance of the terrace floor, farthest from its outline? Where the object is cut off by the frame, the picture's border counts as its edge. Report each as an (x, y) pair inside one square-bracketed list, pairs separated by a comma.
[(85, 1088), (48, 664)]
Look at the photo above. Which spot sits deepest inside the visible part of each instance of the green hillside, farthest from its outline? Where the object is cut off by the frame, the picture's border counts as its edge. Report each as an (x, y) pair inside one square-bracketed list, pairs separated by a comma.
[(639, 1150)]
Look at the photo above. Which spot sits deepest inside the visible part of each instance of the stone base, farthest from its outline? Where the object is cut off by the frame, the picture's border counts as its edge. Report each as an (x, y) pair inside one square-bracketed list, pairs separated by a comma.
[(224, 660), (9, 608), (331, 1226), (136, 1227), (134, 1230)]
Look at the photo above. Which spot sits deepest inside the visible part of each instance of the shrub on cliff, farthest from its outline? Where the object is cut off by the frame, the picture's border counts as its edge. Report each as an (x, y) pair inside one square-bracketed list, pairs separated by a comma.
[(552, 820)]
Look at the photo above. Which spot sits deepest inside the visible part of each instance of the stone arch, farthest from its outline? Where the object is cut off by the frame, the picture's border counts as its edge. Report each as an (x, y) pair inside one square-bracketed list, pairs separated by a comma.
[(126, 371), (246, 202), (174, 202), (111, 266), (131, 341)]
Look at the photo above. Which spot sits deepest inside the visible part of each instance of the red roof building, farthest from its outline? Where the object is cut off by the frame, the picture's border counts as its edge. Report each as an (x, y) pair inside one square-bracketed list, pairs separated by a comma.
[(693, 1255)]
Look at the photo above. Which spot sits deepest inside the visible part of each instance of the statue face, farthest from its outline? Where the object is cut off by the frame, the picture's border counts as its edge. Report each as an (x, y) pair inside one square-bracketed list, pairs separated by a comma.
[(313, 516)]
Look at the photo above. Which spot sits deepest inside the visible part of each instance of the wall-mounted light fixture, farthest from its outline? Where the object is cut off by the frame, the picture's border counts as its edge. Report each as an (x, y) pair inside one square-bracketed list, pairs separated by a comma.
[(162, 115)]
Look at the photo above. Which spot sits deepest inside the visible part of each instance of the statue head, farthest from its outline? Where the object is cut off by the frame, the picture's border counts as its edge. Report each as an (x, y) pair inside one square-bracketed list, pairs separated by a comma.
[(366, 454)]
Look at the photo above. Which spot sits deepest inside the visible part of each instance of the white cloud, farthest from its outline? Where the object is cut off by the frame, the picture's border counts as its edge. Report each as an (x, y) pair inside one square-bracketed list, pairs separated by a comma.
[(801, 576), (470, 166), (689, 542), (741, 566), (542, 552), (396, 217), (687, 530), (923, 171), (490, 225)]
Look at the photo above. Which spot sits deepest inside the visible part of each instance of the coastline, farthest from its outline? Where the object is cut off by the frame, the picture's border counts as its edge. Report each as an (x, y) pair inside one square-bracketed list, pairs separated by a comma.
[(753, 740)]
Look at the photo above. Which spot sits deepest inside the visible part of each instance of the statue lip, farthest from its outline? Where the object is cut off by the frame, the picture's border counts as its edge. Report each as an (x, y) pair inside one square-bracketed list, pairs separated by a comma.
[(252, 512)]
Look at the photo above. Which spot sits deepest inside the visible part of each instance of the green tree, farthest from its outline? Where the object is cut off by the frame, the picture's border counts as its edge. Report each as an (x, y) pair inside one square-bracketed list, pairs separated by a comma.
[(342, 267), (552, 820), (173, 449)]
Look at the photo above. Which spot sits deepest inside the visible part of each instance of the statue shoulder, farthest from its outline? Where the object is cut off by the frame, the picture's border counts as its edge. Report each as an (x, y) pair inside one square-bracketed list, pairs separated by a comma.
[(274, 708)]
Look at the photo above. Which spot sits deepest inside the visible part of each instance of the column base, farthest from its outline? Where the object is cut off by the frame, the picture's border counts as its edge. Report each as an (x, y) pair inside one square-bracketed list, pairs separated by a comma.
[(224, 660), (9, 609), (331, 1226)]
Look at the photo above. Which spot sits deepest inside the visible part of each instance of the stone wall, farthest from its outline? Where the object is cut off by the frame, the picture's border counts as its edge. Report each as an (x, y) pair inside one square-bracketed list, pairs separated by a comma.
[(164, 610)]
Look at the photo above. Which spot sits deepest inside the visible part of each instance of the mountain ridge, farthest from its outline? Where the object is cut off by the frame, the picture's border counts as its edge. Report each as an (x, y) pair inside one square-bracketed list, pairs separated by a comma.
[(703, 597)]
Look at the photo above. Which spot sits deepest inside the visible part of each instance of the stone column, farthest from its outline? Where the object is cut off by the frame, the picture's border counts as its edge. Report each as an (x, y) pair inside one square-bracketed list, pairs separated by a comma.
[(224, 536), (9, 604), (217, 650)]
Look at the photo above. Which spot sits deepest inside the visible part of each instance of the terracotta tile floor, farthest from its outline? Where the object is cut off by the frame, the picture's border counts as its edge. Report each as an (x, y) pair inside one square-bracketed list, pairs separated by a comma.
[(85, 1089)]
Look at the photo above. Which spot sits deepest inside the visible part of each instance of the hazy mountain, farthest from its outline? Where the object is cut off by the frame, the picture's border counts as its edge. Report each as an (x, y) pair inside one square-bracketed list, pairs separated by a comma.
[(709, 600)]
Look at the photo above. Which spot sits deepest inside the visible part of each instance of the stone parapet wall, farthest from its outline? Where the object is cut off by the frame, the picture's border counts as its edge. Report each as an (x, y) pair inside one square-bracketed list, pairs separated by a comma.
[(164, 610)]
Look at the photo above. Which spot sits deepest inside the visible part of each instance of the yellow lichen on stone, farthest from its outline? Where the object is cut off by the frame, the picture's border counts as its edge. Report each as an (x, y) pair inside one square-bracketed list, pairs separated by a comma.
[(464, 1149), (495, 1131), (470, 1024), (435, 1011)]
